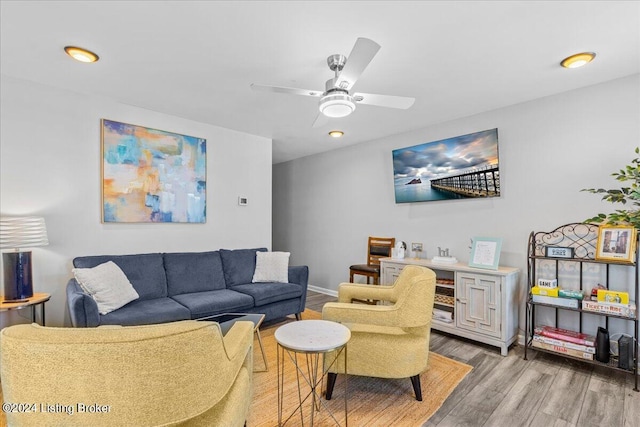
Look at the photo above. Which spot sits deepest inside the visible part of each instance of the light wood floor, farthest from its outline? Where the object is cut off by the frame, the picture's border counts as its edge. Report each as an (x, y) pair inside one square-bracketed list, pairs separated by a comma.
[(544, 391)]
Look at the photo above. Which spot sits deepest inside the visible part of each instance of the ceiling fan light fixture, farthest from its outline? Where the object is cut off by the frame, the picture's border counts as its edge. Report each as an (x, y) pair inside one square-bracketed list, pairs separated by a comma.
[(336, 133), (578, 60), (337, 105), (80, 54)]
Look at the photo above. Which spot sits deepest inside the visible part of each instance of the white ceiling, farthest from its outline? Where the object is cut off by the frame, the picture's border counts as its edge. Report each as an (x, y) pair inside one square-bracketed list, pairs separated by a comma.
[(197, 59)]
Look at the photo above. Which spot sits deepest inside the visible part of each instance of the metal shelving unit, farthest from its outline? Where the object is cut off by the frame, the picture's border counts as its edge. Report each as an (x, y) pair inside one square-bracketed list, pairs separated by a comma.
[(582, 238)]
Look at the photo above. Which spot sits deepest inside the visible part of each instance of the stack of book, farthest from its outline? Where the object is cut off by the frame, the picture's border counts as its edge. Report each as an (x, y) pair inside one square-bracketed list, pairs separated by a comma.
[(555, 296), (563, 341)]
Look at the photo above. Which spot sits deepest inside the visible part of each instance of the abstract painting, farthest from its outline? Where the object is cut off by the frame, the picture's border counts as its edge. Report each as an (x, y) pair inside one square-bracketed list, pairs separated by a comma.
[(149, 175), (461, 167)]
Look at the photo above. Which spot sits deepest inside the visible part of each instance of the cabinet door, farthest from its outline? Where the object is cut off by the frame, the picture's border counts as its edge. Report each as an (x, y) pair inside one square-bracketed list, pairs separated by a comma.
[(389, 273), (478, 303)]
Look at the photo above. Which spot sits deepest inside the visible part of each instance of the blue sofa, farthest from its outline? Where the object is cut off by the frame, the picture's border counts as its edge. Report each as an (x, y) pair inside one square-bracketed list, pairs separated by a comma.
[(182, 286)]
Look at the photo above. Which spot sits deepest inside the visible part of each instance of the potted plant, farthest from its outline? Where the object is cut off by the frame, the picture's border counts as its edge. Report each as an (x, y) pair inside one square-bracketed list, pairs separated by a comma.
[(627, 195)]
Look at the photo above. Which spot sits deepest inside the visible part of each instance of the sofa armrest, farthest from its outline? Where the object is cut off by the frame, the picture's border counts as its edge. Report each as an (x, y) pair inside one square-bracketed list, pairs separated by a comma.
[(347, 292), (83, 309), (379, 315), (299, 274)]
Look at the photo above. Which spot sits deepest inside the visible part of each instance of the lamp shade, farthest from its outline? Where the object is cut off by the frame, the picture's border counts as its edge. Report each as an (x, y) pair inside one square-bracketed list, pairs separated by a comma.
[(19, 233), (22, 232)]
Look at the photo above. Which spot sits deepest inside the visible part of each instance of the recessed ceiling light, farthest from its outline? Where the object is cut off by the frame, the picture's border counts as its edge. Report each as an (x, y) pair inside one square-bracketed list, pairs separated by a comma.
[(80, 54), (578, 60), (336, 133)]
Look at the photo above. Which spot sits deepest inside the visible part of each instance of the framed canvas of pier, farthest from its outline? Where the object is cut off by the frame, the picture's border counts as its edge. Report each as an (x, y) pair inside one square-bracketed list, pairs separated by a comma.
[(462, 167), (152, 176)]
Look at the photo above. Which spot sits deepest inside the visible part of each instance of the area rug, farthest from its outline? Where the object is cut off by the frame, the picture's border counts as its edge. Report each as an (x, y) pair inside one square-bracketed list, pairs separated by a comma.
[(371, 401)]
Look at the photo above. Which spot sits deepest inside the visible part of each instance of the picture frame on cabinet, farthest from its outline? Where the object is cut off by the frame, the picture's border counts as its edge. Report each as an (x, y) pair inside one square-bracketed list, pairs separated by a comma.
[(616, 243), (485, 252)]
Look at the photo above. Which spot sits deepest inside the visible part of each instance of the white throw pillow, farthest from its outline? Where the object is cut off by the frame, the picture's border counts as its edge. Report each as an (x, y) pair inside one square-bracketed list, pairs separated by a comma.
[(272, 267), (108, 286)]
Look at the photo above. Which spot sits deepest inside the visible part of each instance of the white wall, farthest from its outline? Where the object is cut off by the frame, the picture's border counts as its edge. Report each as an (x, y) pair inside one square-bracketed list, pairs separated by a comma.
[(50, 166), (326, 205)]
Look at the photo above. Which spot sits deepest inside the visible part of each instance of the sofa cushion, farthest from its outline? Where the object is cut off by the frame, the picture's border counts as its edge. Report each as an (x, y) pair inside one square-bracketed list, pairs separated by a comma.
[(144, 271), (107, 285), (239, 265), (193, 272), (158, 310), (266, 293), (271, 267), (202, 304)]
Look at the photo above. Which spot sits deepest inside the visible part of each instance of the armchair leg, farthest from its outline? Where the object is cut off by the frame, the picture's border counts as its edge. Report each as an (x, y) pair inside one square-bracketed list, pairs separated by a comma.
[(331, 381), (298, 316), (415, 381)]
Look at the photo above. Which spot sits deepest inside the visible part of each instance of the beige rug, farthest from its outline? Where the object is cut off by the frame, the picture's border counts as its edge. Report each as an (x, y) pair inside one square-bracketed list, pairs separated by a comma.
[(371, 401)]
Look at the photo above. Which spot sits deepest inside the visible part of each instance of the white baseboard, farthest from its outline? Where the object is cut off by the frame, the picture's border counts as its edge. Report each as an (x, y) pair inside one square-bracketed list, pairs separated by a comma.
[(325, 291)]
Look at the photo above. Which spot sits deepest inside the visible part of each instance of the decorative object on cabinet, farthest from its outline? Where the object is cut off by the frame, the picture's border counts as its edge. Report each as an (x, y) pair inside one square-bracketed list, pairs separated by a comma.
[(485, 252), (399, 250), (434, 170), (473, 303), (444, 257), (416, 248), (149, 175), (616, 243), (377, 247), (18, 234), (583, 272), (623, 195)]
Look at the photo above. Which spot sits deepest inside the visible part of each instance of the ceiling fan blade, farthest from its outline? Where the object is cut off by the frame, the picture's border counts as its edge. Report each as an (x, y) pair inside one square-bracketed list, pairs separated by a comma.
[(320, 120), (401, 102), (361, 55), (287, 90)]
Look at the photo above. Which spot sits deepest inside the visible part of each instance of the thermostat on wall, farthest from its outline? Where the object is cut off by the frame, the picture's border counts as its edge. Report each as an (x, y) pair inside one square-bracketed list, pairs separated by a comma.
[(243, 201)]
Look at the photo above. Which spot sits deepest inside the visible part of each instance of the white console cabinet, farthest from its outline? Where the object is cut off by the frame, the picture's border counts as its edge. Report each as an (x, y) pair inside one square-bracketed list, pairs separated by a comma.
[(474, 303)]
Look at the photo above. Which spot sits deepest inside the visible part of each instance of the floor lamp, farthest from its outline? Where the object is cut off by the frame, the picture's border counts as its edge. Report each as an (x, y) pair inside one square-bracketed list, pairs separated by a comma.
[(17, 234)]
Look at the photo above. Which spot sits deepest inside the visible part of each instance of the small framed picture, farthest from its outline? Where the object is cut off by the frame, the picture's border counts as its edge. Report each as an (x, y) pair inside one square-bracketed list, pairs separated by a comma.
[(416, 247), (616, 243), (558, 252), (485, 252)]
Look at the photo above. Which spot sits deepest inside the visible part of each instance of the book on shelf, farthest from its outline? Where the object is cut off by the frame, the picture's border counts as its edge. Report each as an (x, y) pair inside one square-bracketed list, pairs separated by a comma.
[(562, 350), (571, 293), (625, 310), (566, 335), (605, 295), (557, 301), (567, 344), (550, 292)]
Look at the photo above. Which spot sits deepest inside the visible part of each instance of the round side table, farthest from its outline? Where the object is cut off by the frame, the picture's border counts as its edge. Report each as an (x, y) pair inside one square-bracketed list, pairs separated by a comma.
[(312, 339)]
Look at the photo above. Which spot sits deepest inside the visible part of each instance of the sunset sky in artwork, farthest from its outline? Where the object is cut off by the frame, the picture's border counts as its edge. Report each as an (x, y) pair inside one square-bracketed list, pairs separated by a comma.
[(441, 158)]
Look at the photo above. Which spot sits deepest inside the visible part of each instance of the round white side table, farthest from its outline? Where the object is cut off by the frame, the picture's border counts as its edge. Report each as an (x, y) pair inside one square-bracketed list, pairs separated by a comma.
[(312, 338)]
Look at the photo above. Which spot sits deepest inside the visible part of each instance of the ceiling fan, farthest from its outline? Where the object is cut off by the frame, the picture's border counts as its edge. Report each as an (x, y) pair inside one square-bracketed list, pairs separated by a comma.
[(336, 100)]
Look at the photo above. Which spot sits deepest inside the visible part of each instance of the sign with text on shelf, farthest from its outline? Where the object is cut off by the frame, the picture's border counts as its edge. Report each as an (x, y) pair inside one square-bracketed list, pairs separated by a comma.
[(558, 252)]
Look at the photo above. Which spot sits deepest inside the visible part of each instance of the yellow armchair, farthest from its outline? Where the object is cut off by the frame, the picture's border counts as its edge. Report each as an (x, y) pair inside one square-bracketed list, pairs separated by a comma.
[(387, 341), (173, 374)]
